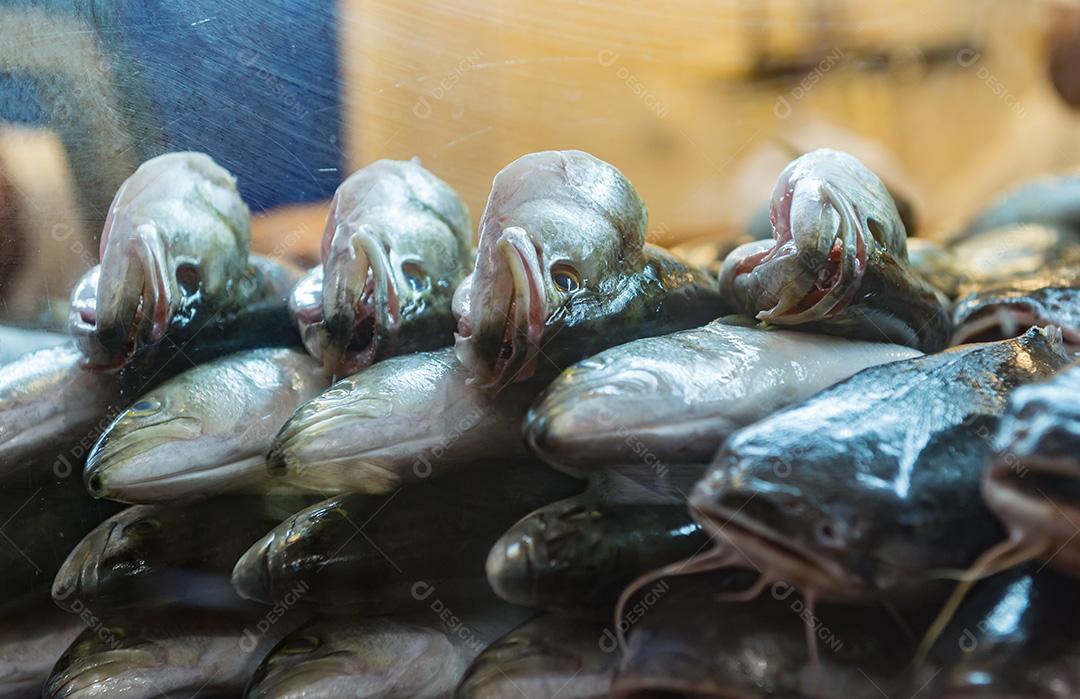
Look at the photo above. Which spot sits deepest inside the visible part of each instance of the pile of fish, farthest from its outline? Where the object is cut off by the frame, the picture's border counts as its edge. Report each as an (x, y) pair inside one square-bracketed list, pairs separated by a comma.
[(564, 463)]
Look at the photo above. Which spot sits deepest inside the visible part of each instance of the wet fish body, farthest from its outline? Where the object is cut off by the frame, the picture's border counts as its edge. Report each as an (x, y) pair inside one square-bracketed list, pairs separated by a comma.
[(861, 490), (30, 642), (545, 657), (154, 554), (838, 263), (398, 241), (399, 421), (563, 271), (675, 398), (204, 431), (15, 342), (437, 532)]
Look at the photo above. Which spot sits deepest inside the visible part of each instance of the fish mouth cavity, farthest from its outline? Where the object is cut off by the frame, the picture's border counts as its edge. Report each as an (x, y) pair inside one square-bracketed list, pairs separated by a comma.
[(815, 282), (1005, 318), (1041, 490)]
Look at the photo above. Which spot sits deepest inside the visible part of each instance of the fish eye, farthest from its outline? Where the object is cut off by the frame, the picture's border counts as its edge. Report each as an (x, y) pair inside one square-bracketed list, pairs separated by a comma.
[(142, 527), (144, 407), (415, 276), (188, 278), (566, 278), (304, 644)]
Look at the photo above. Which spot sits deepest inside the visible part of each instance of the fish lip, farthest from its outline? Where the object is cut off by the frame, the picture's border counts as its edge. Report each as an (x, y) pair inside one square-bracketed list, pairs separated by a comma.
[(67, 682), (251, 575), (811, 572), (360, 298), (518, 318), (108, 453), (1020, 314), (77, 577)]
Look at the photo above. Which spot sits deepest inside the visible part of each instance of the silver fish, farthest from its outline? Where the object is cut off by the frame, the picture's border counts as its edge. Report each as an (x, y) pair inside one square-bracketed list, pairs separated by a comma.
[(838, 262), (870, 485), (398, 421), (675, 398), (204, 431), (416, 656), (398, 241), (177, 229), (562, 271), (547, 657)]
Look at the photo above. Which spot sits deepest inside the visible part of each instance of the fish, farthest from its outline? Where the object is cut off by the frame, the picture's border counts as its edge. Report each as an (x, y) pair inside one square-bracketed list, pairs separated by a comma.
[(155, 554), (576, 555), (550, 656), (1052, 200), (1031, 481), (686, 643), (31, 640), (42, 524), (177, 233), (168, 652), (563, 271), (838, 263), (675, 398), (1050, 296), (52, 410), (366, 553), (204, 431), (1015, 636), (16, 342), (399, 421), (254, 314), (413, 656), (397, 243), (869, 490)]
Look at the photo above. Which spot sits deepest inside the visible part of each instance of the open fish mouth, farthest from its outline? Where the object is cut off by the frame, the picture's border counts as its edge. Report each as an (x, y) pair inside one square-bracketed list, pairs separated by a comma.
[(1004, 318), (820, 273), (502, 344), (132, 302), (361, 303), (777, 560)]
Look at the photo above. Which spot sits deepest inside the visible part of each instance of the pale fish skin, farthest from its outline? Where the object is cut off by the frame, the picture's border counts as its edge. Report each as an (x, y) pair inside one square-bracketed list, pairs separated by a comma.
[(563, 271), (176, 229), (48, 403), (550, 656), (30, 642), (204, 431), (398, 421), (398, 241), (416, 656), (675, 398), (15, 342)]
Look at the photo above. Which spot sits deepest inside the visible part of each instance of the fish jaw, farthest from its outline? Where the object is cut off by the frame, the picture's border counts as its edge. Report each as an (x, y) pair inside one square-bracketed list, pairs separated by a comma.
[(251, 575), (79, 575), (1006, 317), (103, 674), (136, 296), (501, 329), (361, 303)]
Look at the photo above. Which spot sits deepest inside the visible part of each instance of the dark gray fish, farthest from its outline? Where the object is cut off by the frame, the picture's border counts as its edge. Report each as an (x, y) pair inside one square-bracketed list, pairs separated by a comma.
[(547, 657), (15, 342), (1016, 636), (367, 553), (417, 656), (1050, 201), (675, 398), (563, 271), (688, 644), (577, 555), (838, 263), (1005, 309), (31, 639), (398, 241), (1033, 482), (171, 653), (148, 554), (870, 486), (399, 421)]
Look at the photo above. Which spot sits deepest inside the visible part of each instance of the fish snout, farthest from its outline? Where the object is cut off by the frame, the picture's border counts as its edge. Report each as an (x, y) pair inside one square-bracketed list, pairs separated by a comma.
[(78, 575), (511, 563), (251, 575)]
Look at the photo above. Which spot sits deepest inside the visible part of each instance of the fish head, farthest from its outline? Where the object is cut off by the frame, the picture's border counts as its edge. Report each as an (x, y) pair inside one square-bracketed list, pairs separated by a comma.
[(177, 231), (337, 656), (176, 423), (396, 244), (1007, 309), (829, 213), (106, 661), (115, 552), (561, 230)]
